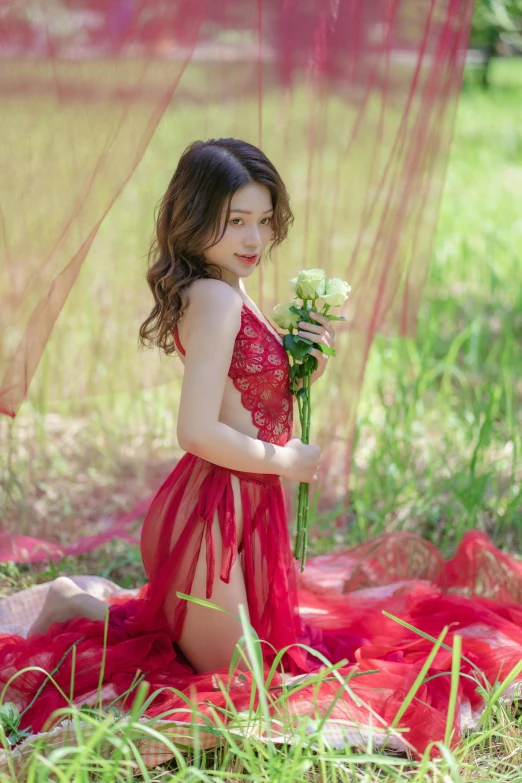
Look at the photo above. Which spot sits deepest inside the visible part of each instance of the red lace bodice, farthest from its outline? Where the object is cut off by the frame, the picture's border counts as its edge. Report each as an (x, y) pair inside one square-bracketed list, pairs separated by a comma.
[(259, 371)]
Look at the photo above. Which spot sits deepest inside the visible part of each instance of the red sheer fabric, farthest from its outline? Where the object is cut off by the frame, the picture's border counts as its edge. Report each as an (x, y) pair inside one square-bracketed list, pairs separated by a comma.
[(353, 101), (181, 518), (83, 87)]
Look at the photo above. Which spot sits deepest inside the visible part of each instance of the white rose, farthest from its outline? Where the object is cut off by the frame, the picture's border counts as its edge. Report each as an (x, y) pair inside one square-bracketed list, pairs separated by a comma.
[(284, 317), (309, 283), (321, 287), (336, 292)]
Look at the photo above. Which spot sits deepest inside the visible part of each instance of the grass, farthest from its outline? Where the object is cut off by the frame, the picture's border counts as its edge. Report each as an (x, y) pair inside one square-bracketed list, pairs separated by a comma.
[(437, 452)]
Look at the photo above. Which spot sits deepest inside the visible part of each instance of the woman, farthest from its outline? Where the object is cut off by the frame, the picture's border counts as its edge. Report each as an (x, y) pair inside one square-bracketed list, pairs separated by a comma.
[(225, 208)]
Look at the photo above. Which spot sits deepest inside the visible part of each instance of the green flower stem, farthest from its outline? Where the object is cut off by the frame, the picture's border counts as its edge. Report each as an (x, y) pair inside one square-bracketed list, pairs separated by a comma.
[(303, 495), (304, 487), (305, 415)]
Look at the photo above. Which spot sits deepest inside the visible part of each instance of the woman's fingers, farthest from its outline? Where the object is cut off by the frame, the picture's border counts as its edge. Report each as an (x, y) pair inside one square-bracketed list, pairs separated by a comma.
[(323, 328), (317, 337), (312, 327)]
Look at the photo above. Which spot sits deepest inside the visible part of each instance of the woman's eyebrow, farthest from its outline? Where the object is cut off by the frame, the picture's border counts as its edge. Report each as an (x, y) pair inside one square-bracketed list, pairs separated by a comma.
[(246, 211)]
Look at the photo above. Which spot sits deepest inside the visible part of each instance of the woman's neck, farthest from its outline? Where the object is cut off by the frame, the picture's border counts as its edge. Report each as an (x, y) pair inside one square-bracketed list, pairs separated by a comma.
[(238, 285)]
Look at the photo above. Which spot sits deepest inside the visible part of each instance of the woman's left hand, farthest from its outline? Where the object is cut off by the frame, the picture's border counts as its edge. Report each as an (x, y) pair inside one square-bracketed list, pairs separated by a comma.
[(322, 333)]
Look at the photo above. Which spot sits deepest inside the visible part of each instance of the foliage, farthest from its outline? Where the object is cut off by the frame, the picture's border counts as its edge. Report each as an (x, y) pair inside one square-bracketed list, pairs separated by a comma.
[(492, 17)]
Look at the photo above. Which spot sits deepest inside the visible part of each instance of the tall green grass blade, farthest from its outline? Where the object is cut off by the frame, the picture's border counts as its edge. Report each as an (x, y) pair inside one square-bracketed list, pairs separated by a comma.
[(455, 676)]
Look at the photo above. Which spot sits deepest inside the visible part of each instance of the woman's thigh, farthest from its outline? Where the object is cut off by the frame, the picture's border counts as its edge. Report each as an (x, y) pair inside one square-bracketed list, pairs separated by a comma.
[(209, 637)]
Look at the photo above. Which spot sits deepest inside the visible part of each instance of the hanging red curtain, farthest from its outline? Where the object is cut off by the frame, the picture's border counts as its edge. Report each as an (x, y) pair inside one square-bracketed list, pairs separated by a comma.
[(353, 101)]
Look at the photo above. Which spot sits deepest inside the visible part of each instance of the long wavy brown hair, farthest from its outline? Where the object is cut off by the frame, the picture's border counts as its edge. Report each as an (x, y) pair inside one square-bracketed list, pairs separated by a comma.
[(207, 176)]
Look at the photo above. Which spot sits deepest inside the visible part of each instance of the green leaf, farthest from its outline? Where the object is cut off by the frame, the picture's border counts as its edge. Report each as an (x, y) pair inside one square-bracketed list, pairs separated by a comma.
[(308, 362), (327, 350), (288, 341), (335, 318), (295, 349), (201, 602)]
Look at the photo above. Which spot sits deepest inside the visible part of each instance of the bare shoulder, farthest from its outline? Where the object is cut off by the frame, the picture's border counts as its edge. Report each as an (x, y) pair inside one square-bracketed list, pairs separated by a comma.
[(214, 306), (210, 293)]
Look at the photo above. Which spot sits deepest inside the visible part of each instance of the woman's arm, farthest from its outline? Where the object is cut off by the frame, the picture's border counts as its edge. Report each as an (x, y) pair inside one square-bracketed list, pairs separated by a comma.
[(213, 321)]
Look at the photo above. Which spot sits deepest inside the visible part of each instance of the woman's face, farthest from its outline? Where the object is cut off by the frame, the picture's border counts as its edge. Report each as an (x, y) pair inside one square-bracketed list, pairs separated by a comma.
[(248, 232)]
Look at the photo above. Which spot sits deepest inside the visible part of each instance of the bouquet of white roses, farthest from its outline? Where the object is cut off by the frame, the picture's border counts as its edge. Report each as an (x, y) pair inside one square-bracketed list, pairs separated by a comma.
[(310, 287)]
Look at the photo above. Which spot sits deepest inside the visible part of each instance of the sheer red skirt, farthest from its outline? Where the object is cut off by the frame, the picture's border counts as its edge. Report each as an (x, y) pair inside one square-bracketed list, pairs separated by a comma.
[(336, 609)]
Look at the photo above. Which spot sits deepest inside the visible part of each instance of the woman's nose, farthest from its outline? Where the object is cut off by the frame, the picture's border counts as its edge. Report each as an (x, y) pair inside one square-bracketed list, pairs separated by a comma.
[(253, 238)]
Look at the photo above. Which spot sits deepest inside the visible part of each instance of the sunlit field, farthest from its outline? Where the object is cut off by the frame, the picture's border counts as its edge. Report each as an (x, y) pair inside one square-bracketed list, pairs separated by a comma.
[(438, 446)]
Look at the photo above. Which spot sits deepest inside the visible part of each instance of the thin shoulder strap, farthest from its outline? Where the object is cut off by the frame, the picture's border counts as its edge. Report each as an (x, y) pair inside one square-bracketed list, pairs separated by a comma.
[(177, 341)]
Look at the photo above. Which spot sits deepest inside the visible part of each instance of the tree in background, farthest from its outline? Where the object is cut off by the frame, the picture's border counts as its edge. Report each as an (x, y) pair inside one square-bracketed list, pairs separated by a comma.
[(496, 23)]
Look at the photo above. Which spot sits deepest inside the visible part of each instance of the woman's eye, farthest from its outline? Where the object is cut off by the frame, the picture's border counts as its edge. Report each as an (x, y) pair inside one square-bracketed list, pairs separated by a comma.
[(268, 220)]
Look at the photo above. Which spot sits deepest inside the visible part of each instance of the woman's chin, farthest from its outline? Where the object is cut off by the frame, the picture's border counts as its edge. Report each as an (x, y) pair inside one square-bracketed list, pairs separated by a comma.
[(246, 270)]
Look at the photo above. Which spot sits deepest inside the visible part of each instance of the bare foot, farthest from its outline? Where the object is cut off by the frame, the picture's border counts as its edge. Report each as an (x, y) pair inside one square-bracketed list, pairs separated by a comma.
[(58, 607)]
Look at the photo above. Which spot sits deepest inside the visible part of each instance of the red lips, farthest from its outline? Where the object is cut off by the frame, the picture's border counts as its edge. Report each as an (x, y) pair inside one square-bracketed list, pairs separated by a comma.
[(247, 259)]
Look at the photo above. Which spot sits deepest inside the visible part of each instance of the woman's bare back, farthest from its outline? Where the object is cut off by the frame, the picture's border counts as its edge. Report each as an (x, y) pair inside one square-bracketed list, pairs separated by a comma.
[(232, 411)]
